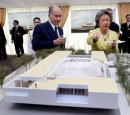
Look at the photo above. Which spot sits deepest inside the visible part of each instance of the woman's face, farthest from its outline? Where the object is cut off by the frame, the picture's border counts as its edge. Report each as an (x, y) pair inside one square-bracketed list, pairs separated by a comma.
[(104, 22)]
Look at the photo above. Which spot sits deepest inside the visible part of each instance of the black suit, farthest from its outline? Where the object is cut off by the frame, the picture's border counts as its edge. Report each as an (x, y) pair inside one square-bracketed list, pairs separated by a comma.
[(2, 44), (44, 35), (18, 39), (126, 37)]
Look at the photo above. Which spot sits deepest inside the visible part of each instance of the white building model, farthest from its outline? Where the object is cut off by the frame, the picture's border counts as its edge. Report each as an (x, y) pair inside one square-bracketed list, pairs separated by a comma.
[(64, 80)]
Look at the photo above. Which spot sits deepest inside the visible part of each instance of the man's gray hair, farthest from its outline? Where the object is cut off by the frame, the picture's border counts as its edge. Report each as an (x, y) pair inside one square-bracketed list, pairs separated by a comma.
[(50, 10), (100, 13)]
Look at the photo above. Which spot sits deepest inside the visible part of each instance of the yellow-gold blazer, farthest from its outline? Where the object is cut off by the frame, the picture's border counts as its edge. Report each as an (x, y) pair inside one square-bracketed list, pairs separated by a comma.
[(101, 45)]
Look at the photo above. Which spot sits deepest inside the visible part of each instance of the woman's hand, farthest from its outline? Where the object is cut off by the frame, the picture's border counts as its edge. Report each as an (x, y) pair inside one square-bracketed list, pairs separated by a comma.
[(95, 37), (113, 44)]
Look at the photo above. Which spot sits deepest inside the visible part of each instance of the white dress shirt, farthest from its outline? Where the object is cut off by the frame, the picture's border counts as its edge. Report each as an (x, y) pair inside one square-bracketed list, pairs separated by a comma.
[(53, 26), (128, 23)]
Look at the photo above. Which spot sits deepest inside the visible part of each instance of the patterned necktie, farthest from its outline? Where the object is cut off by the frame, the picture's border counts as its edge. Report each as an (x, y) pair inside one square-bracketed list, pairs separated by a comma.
[(56, 32)]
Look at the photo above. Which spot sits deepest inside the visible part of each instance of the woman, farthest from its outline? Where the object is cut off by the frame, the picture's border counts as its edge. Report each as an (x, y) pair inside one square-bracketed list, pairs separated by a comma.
[(2, 44), (103, 39)]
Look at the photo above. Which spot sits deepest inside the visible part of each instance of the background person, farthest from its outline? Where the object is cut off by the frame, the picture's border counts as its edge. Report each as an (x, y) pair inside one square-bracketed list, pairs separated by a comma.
[(125, 28), (17, 38), (36, 21), (2, 44)]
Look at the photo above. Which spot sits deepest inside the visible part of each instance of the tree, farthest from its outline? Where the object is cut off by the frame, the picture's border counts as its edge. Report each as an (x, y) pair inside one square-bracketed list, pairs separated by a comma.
[(80, 52), (122, 73), (17, 62), (4, 71), (25, 60), (70, 49), (38, 54)]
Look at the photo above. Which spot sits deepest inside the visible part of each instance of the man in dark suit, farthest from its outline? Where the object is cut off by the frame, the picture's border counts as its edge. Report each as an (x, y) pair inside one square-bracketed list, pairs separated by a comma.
[(48, 34), (125, 28), (17, 38), (2, 44)]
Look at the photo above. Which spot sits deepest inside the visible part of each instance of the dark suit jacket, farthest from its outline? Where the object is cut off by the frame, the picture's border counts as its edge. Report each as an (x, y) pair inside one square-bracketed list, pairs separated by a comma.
[(18, 38), (2, 37), (125, 32), (113, 26), (44, 35)]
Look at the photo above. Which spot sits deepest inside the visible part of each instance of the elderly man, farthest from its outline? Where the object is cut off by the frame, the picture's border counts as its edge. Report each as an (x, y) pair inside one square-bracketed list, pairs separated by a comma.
[(48, 34)]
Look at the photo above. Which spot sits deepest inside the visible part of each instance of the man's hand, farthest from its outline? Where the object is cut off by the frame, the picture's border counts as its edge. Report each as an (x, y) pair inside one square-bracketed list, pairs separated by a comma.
[(18, 33), (59, 41)]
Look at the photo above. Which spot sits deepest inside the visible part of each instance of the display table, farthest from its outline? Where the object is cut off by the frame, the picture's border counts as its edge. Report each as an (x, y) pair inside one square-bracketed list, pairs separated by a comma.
[(61, 87), (29, 109)]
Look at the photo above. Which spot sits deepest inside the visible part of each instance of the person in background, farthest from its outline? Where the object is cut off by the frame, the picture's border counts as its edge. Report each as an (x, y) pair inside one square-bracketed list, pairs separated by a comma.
[(102, 38), (2, 44), (36, 21), (125, 28), (48, 35), (17, 38), (113, 26)]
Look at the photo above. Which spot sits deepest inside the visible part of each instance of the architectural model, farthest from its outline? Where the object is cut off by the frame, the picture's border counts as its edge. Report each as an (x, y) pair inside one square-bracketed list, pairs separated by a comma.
[(65, 80)]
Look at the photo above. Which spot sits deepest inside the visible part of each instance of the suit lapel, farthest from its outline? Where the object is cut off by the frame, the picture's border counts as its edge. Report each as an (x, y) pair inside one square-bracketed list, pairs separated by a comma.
[(51, 30), (18, 29), (101, 40), (60, 32), (13, 30), (111, 36), (125, 26)]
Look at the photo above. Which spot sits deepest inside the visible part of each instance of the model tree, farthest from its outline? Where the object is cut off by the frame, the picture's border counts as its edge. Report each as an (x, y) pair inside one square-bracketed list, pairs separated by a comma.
[(80, 52), (122, 61), (25, 60), (17, 63), (70, 49), (38, 54)]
